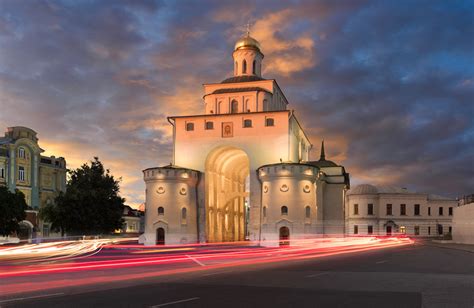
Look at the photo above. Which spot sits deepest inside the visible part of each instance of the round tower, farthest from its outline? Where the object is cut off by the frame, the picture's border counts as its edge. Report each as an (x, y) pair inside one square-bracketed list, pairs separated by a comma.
[(247, 57)]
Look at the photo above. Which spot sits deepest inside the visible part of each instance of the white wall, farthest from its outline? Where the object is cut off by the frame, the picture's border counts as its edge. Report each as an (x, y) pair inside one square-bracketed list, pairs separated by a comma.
[(463, 224)]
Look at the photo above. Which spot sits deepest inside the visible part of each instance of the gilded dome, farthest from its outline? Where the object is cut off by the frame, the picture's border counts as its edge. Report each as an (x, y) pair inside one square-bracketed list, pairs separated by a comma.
[(247, 42)]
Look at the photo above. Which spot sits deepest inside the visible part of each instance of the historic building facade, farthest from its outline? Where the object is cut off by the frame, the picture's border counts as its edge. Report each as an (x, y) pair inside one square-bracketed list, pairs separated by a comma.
[(39, 177), (382, 210), (242, 169)]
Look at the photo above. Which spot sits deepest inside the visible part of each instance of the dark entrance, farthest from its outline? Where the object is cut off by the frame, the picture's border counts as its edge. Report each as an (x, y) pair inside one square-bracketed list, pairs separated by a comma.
[(284, 236), (389, 230), (160, 236)]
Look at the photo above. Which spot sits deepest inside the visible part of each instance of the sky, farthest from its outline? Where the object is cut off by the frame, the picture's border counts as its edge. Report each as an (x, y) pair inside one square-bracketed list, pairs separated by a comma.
[(389, 85)]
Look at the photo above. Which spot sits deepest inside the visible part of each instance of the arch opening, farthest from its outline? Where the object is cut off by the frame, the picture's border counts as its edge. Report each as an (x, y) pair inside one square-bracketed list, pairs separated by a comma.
[(284, 236), (160, 236), (226, 190)]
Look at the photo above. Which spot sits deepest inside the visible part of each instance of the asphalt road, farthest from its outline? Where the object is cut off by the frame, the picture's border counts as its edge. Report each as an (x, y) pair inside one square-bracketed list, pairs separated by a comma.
[(408, 276)]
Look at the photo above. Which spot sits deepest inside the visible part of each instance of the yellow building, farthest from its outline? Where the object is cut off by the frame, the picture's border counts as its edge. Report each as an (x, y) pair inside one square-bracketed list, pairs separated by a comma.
[(39, 177)]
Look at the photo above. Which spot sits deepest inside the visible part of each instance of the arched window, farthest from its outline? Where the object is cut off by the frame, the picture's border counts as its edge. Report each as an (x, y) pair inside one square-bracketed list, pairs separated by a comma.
[(308, 212), (236, 67), (254, 64), (183, 213), (234, 106), (264, 212), (244, 67), (161, 210), (21, 153), (284, 210)]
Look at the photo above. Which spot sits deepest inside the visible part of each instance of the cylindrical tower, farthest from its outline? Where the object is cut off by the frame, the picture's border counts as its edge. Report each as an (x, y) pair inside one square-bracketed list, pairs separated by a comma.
[(247, 57)]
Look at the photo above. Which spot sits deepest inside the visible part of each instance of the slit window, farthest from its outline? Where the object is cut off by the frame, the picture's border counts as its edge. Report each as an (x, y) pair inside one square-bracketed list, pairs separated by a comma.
[(308, 212), (183, 213), (244, 67)]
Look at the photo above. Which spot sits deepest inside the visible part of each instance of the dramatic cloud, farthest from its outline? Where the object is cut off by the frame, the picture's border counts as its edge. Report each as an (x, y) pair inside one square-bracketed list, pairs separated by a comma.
[(388, 84)]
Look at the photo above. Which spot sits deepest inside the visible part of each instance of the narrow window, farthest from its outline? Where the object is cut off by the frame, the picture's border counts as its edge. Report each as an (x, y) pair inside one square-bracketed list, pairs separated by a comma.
[(417, 209), (254, 64), (356, 209), (440, 211), (356, 229), (21, 173), (234, 106), (264, 212), (236, 68), (161, 210), (308, 212), (429, 211), (2, 173), (403, 209), (389, 209), (429, 230), (183, 213), (450, 229), (21, 153), (269, 122), (440, 229), (244, 67), (370, 209), (247, 123), (370, 229), (284, 210), (450, 211), (209, 125), (417, 230), (189, 126)]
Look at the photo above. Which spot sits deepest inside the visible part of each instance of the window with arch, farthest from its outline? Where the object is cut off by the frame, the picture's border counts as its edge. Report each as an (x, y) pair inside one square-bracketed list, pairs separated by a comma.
[(308, 212), (161, 210), (264, 212), (284, 210), (234, 106), (244, 67), (189, 126), (236, 67), (254, 68), (21, 153), (184, 213)]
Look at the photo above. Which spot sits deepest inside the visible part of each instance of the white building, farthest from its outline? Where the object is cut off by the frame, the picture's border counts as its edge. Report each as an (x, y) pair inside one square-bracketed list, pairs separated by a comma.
[(381, 210), (242, 170), (463, 221)]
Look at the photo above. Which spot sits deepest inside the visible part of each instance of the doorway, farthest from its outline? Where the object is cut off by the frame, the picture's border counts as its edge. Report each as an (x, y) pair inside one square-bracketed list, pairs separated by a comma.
[(160, 236), (389, 230), (284, 236)]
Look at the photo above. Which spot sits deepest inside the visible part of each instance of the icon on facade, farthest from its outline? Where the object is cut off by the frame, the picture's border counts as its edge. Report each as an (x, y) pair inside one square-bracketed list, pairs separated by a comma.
[(227, 129)]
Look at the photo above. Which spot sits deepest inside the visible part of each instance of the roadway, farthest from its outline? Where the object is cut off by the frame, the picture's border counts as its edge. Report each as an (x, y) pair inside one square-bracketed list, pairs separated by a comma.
[(408, 275)]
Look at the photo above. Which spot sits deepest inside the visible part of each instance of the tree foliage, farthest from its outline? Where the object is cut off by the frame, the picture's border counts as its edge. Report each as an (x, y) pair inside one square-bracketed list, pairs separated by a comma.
[(90, 205), (12, 210)]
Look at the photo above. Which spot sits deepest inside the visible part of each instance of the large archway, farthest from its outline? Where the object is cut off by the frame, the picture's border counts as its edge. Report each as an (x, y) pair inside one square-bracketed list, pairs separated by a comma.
[(227, 172)]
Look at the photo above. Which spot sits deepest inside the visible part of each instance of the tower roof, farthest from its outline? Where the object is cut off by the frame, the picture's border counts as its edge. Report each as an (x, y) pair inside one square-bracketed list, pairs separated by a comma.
[(247, 42)]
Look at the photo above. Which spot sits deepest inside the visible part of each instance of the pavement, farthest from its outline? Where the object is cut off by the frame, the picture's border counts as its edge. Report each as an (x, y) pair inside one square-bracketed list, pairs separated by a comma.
[(417, 275)]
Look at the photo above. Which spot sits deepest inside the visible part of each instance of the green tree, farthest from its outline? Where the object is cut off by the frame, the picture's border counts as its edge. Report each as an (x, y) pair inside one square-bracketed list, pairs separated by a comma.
[(12, 210), (90, 205)]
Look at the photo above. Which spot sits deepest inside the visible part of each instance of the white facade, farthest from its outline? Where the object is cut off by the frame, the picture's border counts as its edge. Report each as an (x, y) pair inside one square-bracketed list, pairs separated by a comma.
[(463, 221), (381, 210), (245, 143)]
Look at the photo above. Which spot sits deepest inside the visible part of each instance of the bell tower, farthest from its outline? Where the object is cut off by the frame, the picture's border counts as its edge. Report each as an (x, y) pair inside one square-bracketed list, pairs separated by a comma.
[(247, 56)]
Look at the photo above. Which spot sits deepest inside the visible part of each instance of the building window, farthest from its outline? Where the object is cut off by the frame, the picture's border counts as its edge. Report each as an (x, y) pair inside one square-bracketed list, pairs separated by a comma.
[(254, 64), (45, 230), (236, 68), (21, 173), (189, 126), (450, 211), (183, 213), (308, 212), (417, 230), (403, 209), (244, 67), (269, 122), (417, 209), (21, 153), (247, 123), (209, 125), (284, 210), (440, 211), (370, 209), (429, 230), (429, 211), (234, 106), (370, 229), (161, 210), (264, 212), (2, 172), (440, 229), (450, 229), (403, 230), (389, 209), (356, 229), (356, 209)]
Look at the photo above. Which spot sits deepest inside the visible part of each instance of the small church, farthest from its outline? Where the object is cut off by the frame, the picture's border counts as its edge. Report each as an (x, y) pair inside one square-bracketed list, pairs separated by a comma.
[(241, 169)]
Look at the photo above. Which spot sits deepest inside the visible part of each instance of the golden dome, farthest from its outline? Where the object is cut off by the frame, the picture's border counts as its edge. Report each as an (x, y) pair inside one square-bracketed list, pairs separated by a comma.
[(247, 42)]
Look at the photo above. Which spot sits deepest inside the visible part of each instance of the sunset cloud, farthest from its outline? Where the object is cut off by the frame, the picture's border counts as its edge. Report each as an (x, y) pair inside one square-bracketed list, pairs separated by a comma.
[(387, 84)]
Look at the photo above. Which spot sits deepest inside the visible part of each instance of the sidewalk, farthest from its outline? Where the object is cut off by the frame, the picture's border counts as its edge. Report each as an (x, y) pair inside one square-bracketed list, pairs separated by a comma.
[(449, 245)]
